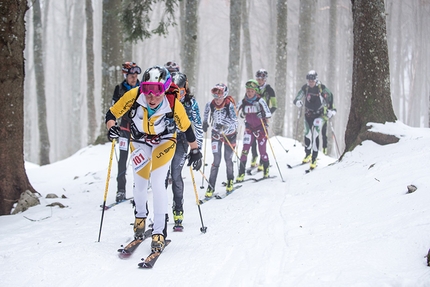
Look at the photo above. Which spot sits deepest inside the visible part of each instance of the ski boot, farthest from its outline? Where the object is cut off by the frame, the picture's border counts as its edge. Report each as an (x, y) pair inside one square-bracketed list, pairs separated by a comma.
[(307, 158), (240, 177), (120, 195), (229, 187), (209, 192), (178, 216), (254, 162), (313, 164), (158, 243), (139, 227)]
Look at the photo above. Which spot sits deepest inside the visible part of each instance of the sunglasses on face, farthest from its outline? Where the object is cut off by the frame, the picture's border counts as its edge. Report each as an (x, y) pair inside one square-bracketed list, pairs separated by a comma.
[(251, 85), (155, 88)]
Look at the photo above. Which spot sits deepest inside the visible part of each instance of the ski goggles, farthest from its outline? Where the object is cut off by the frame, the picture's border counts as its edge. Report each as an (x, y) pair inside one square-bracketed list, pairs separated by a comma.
[(217, 92), (251, 85), (131, 68), (155, 88), (134, 70)]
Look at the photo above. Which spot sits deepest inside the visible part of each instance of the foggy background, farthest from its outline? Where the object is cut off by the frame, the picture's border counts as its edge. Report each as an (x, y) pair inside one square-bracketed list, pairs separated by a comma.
[(65, 63)]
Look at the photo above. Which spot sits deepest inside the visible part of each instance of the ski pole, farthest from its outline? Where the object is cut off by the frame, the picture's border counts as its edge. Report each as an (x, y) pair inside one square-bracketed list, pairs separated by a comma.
[(107, 186), (228, 142), (203, 228), (299, 114), (205, 178), (281, 144), (204, 159), (267, 136), (335, 140)]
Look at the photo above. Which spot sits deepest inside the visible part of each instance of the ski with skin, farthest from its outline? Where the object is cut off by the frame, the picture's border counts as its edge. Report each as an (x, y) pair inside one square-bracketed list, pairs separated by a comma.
[(296, 165), (205, 199), (109, 206), (128, 250), (263, 178), (239, 182), (149, 262), (221, 196)]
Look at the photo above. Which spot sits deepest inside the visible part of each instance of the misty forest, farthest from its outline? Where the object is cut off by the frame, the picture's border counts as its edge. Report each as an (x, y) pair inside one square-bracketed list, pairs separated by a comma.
[(74, 50)]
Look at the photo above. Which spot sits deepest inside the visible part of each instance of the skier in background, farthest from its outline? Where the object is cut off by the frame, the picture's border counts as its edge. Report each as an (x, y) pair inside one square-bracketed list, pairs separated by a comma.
[(193, 112), (130, 71), (256, 113), (318, 102), (220, 114), (267, 93)]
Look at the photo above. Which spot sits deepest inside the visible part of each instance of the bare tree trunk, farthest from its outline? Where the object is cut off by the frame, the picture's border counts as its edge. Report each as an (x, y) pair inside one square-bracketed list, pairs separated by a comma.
[(91, 106), (191, 43), (371, 99), (44, 145), (305, 51), (13, 179), (247, 40), (234, 53), (281, 68), (112, 53)]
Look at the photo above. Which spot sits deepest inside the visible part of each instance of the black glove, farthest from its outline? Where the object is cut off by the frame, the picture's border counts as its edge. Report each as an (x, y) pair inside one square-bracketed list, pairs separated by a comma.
[(219, 127), (195, 158), (113, 133), (260, 115), (205, 126)]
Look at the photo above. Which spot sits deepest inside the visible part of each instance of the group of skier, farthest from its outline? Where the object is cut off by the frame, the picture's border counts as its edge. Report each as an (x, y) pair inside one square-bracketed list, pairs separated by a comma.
[(160, 119)]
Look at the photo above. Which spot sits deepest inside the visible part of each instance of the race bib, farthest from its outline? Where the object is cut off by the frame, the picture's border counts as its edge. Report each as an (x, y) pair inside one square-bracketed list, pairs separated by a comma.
[(139, 159), (123, 143), (318, 122), (215, 146), (247, 138)]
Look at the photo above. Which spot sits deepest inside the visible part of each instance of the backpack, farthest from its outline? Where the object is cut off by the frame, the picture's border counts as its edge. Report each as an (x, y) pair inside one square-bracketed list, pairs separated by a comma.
[(229, 99)]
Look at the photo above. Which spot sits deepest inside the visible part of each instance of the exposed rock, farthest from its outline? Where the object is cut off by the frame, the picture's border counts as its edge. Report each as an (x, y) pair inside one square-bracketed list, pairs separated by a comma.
[(59, 204), (26, 200), (411, 188)]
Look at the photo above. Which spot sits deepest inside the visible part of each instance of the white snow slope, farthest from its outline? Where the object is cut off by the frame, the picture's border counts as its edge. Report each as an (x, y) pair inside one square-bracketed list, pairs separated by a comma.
[(351, 223)]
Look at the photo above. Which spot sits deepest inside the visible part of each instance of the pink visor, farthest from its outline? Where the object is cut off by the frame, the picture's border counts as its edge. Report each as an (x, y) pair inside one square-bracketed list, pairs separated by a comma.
[(155, 88)]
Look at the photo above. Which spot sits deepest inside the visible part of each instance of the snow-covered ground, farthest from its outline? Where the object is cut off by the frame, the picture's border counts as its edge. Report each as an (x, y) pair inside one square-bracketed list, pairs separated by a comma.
[(350, 223)]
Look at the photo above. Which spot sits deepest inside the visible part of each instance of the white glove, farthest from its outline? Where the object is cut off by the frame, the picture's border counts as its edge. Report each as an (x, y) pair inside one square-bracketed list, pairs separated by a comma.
[(299, 104), (331, 113)]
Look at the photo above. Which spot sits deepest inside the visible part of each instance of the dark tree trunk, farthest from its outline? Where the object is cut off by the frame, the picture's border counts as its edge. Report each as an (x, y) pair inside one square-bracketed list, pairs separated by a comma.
[(234, 53), (371, 99), (112, 53), (39, 71), (305, 52), (281, 67), (13, 179), (190, 50), (92, 120), (247, 40)]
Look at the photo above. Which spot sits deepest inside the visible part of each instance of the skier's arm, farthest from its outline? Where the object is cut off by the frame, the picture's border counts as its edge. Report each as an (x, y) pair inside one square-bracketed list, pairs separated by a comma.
[(197, 122), (273, 103)]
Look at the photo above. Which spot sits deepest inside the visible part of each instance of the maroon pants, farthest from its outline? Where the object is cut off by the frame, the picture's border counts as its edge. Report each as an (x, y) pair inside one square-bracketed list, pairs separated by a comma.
[(256, 134)]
